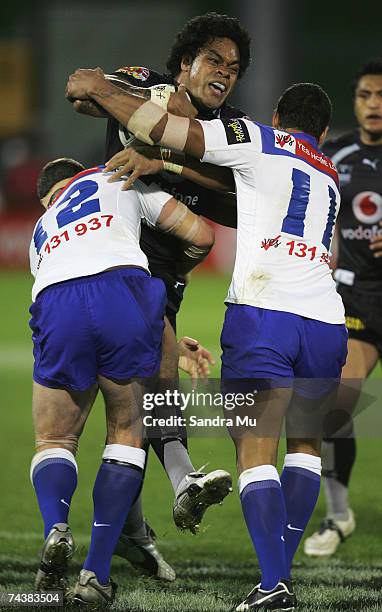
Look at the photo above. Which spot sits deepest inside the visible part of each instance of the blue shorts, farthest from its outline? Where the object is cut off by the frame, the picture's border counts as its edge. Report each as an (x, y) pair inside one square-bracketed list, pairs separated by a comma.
[(279, 346), (109, 323)]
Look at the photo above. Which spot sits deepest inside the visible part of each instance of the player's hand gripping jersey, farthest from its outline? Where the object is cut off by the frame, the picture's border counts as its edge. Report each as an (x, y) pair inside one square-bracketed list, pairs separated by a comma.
[(288, 200), (90, 227), (360, 172)]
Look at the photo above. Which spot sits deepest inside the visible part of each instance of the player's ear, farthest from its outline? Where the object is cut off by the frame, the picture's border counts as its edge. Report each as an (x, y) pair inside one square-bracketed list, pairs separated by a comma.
[(185, 64), (323, 136), (275, 120)]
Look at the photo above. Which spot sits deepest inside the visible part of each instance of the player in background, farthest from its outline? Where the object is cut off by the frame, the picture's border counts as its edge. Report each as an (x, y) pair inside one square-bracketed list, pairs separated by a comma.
[(90, 273), (209, 55), (284, 319), (358, 157)]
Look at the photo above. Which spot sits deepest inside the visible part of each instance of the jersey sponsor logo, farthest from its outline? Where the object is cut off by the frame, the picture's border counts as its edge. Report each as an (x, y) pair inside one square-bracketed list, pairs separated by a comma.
[(236, 131), (354, 323), (367, 207), (285, 141), (277, 142), (316, 158), (187, 199), (138, 72), (362, 233), (267, 243), (371, 162)]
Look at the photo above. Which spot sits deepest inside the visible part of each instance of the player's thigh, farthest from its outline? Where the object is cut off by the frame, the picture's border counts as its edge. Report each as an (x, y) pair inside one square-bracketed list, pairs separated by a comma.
[(256, 429), (123, 406), (58, 413), (361, 359)]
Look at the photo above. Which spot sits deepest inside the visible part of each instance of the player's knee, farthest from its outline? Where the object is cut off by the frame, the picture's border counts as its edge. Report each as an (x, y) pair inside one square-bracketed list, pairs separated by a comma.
[(68, 442)]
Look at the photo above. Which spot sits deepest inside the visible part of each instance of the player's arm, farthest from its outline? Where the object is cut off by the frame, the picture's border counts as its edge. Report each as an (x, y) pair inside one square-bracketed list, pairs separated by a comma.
[(91, 108), (148, 121), (173, 217), (143, 160), (176, 219)]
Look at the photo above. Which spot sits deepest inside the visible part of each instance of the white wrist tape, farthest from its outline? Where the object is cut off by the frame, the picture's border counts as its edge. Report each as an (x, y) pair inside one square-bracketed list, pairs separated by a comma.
[(144, 119), (160, 94), (175, 133), (169, 165)]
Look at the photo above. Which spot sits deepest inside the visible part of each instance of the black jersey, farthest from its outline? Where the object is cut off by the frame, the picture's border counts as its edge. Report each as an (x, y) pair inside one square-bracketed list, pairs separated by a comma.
[(360, 172), (164, 251)]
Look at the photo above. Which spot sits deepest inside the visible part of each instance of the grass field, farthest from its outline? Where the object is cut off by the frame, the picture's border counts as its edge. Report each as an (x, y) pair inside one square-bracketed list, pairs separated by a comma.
[(217, 567)]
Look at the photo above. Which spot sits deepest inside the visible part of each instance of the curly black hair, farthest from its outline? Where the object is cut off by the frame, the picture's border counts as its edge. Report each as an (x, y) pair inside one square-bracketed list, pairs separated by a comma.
[(201, 30), (372, 66)]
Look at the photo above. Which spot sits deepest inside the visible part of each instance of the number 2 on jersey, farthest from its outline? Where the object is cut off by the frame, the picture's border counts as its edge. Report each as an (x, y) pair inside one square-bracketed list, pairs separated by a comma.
[(78, 205), (294, 221)]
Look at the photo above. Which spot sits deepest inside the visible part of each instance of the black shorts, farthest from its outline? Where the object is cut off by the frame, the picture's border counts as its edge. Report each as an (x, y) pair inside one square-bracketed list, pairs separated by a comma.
[(363, 312)]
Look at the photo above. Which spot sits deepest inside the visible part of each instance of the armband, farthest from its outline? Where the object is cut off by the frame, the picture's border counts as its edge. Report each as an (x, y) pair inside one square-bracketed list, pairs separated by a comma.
[(175, 133), (144, 119)]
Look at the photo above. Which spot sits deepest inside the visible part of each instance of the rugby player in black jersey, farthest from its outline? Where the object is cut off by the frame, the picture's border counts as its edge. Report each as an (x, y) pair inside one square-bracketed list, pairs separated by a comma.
[(209, 55), (358, 157)]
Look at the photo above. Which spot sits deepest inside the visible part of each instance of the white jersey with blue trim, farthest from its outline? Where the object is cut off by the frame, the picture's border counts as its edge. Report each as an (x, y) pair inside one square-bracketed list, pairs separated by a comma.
[(287, 201), (93, 225)]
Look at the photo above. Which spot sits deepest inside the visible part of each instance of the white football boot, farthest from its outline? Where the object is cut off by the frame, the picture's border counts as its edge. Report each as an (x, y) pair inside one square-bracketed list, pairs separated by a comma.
[(196, 492), (325, 541)]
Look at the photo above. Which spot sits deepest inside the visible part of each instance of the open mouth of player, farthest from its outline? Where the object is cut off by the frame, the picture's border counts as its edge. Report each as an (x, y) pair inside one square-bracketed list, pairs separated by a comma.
[(218, 89), (374, 117)]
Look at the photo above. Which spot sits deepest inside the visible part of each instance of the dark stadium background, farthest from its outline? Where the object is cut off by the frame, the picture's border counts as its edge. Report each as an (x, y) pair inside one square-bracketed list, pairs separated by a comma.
[(41, 43)]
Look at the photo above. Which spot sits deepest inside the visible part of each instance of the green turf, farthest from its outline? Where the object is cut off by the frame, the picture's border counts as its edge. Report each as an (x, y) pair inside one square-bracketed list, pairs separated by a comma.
[(217, 567)]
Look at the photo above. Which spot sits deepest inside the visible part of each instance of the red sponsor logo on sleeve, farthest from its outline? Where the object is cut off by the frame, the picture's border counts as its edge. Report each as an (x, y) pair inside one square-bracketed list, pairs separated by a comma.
[(316, 158)]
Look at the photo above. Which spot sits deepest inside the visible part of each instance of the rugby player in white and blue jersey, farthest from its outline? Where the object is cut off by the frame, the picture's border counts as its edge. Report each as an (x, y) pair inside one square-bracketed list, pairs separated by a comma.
[(284, 319), (97, 322)]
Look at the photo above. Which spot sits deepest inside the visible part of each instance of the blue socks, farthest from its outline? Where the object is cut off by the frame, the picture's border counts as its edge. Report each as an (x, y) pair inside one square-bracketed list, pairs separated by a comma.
[(278, 513), (54, 477), (264, 510), (115, 489), (300, 482)]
